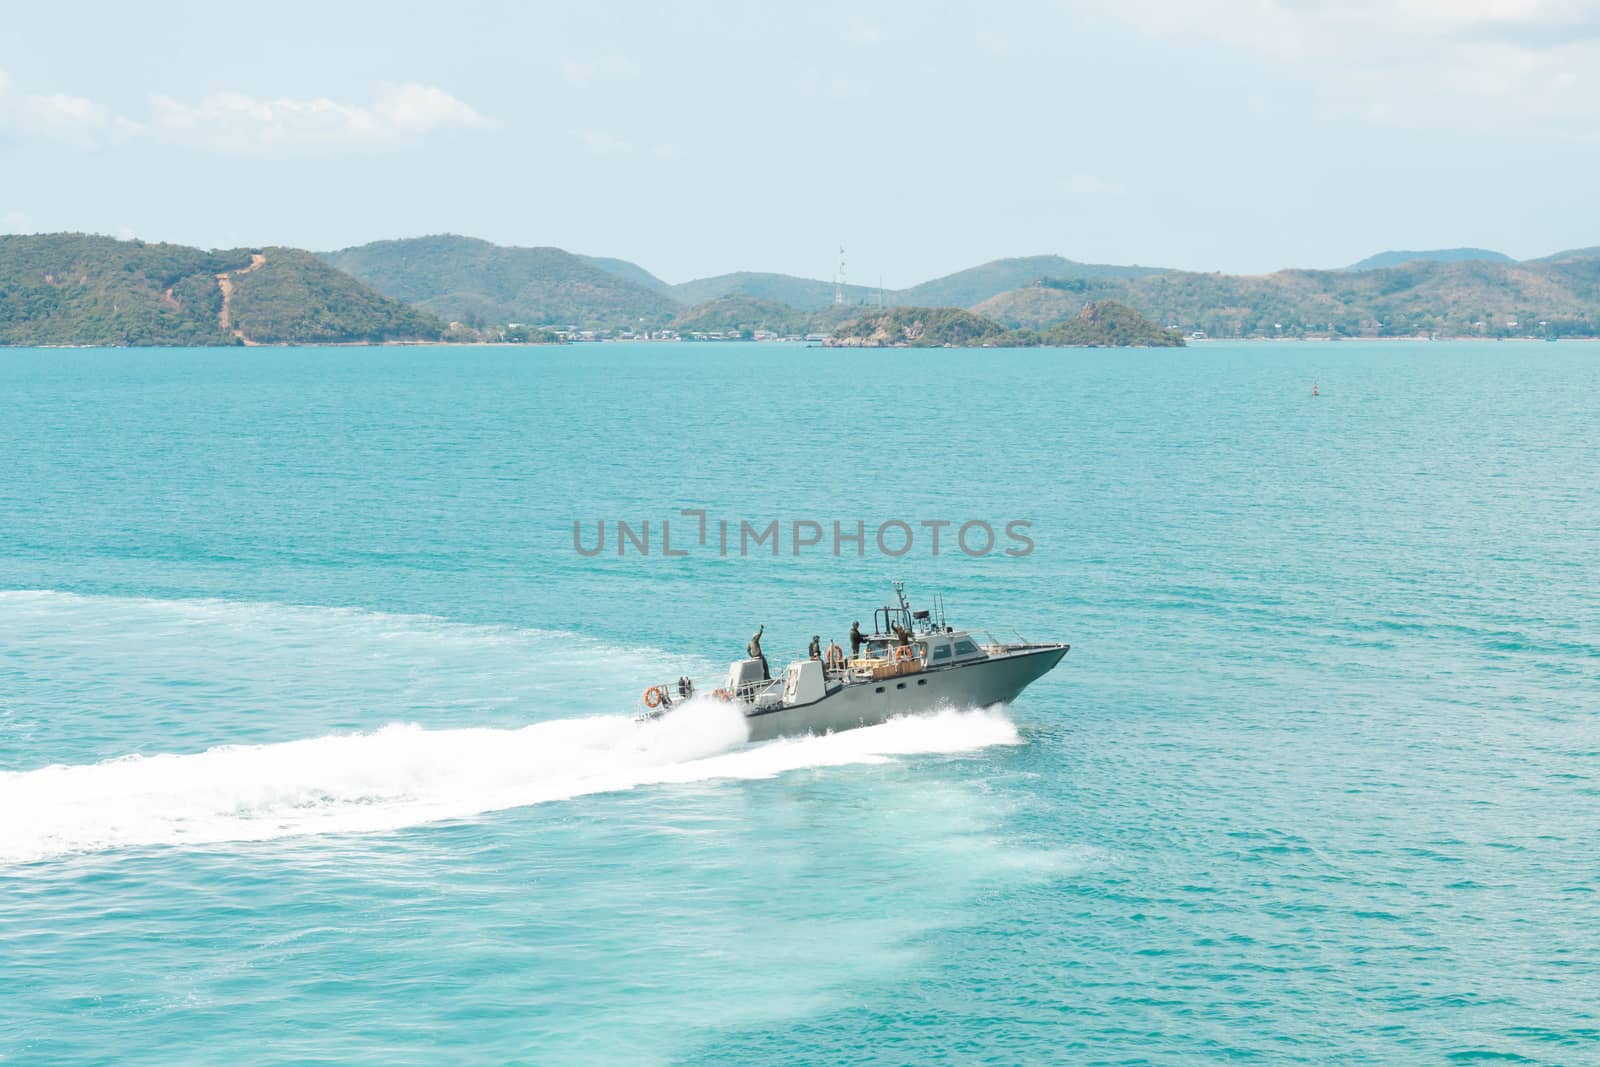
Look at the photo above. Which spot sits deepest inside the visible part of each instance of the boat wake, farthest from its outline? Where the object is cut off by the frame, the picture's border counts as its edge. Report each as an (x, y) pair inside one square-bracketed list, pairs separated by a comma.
[(403, 775)]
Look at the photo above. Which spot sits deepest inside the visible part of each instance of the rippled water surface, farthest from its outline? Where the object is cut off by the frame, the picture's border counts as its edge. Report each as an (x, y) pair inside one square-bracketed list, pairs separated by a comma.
[(316, 737)]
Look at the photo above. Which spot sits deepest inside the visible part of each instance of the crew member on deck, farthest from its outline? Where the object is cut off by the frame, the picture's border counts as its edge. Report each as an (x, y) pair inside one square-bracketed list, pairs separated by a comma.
[(754, 649), (857, 639), (815, 651)]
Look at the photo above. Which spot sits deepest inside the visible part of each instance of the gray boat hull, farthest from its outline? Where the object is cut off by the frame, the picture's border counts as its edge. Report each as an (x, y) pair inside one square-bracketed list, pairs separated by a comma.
[(995, 680)]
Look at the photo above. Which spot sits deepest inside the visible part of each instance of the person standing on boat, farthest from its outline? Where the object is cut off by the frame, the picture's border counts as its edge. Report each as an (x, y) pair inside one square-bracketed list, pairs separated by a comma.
[(815, 651), (857, 639), (754, 649), (902, 636)]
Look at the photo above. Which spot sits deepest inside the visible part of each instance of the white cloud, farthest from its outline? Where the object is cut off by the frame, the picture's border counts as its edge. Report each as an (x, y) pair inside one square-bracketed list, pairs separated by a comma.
[(1417, 62), (607, 67), (59, 111), (243, 124), (862, 35), (1090, 185), (58, 116), (425, 108), (239, 123), (597, 143)]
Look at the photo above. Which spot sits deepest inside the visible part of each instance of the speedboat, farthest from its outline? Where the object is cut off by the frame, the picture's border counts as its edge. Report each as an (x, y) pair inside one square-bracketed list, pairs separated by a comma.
[(913, 662)]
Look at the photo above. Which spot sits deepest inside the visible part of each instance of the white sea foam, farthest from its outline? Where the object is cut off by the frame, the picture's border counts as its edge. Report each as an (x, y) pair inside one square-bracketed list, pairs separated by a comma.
[(403, 775), (148, 675)]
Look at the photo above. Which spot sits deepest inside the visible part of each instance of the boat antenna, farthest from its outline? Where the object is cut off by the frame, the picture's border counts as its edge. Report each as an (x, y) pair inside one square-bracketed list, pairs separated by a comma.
[(902, 610)]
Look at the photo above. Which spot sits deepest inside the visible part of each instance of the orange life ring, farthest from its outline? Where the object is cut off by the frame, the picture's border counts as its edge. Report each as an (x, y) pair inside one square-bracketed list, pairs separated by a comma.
[(722, 694), (653, 697), (903, 653), (835, 657)]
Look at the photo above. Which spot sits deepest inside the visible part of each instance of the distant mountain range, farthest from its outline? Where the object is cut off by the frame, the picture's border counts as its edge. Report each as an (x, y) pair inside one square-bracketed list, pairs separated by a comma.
[(1457, 291), (1455, 299), (81, 289), (961, 289), (1384, 260), (471, 281)]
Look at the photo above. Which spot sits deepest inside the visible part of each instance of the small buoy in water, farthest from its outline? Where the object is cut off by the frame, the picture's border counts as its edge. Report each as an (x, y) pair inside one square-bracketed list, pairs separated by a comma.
[(1313, 388)]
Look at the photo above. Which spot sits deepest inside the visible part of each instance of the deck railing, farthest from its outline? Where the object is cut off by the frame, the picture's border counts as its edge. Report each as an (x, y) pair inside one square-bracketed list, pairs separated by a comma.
[(669, 694), (995, 647)]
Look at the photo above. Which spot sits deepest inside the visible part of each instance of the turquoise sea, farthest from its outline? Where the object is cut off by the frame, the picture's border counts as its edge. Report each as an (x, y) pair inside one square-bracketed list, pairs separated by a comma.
[(316, 736)]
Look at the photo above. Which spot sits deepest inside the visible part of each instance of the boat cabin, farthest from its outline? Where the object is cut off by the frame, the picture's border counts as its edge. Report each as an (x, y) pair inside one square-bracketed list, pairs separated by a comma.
[(929, 648), (955, 646)]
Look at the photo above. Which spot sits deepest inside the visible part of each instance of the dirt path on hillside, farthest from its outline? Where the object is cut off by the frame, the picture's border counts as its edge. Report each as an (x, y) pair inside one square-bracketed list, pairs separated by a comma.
[(225, 283)]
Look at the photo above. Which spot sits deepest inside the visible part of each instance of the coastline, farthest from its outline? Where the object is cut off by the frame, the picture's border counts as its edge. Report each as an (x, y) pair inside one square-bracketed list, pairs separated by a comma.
[(1190, 342)]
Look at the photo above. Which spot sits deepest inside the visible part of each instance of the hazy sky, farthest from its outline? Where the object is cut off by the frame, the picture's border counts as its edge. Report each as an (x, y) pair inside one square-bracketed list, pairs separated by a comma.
[(702, 137)]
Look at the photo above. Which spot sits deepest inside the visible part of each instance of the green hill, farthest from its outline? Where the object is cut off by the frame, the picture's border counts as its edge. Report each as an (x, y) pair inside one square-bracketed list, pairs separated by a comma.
[(1571, 253), (294, 297), (918, 327), (739, 313), (1437, 255), (974, 285), (80, 289), (632, 272), (1108, 324), (802, 293), (477, 283)]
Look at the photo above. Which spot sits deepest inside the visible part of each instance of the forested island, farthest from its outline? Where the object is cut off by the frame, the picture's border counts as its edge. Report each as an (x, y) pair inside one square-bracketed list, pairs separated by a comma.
[(1102, 324)]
